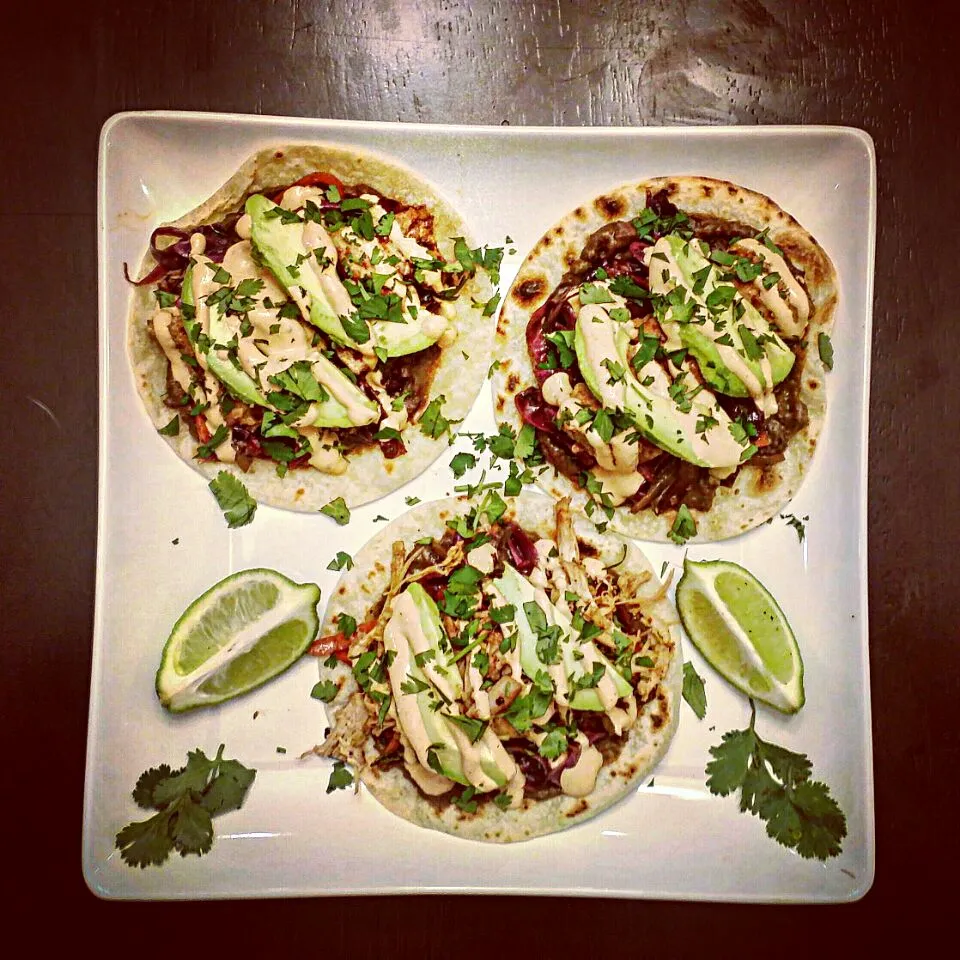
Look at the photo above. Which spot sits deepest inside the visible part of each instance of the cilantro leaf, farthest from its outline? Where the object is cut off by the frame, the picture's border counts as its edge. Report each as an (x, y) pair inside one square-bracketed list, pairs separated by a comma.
[(775, 785), (143, 791), (171, 429), (340, 777), (324, 690), (342, 561), (526, 442), (461, 463), (693, 691), (727, 771), (554, 743), (355, 327), (338, 510), (472, 727), (825, 349), (236, 503), (433, 423), (186, 800), (684, 526)]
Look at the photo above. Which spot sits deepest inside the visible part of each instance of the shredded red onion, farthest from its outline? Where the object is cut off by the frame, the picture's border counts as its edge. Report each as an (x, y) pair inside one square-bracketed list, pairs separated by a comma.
[(523, 553), (393, 448), (220, 237), (535, 410)]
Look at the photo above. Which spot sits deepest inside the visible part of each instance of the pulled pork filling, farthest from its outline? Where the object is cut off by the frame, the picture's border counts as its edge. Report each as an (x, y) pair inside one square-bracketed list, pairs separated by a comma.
[(547, 689), (252, 373), (618, 260)]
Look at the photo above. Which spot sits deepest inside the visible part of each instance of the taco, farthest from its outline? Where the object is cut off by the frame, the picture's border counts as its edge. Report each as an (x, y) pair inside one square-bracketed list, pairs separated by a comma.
[(500, 671), (664, 343), (313, 327)]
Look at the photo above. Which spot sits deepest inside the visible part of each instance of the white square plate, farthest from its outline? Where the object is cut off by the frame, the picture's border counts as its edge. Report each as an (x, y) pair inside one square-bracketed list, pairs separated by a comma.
[(163, 541)]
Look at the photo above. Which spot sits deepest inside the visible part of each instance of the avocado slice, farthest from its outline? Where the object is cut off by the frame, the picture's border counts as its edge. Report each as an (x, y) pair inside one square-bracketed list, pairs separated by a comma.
[(331, 412), (437, 678), (600, 342), (517, 590), (281, 247), (325, 413), (237, 381), (698, 337)]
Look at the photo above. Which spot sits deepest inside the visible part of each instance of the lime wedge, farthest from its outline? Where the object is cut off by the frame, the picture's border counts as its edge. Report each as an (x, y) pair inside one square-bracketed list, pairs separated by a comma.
[(737, 625), (240, 633)]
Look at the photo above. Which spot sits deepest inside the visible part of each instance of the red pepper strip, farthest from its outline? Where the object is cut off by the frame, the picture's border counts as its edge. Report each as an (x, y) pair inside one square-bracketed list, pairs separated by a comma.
[(203, 431), (317, 179), (763, 440), (338, 645)]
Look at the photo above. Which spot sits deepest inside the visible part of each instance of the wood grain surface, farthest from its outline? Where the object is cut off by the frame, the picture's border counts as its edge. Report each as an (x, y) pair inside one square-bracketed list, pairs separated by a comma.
[(890, 68)]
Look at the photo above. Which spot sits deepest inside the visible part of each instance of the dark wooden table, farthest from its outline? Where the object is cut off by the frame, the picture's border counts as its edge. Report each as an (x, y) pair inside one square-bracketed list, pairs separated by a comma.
[(890, 68)]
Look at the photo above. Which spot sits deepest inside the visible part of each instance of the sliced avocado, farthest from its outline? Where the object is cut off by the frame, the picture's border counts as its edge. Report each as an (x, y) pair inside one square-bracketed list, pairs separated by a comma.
[(400, 339), (331, 412), (237, 381), (441, 675), (517, 590), (436, 727), (690, 261), (281, 248), (600, 342), (326, 413)]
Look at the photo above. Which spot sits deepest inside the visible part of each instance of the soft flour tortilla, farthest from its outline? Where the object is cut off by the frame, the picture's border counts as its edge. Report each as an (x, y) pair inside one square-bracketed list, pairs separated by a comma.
[(758, 493), (645, 745), (459, 373)]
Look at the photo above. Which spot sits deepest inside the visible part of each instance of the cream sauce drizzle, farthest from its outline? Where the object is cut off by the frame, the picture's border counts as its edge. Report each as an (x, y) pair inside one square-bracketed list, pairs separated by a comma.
[(580, 779), (786, 300), (711, 445), (665, 274)]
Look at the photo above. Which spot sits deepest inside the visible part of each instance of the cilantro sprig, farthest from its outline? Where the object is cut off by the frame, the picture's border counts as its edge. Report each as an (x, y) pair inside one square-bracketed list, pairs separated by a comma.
[(186, 800), (775, 785)]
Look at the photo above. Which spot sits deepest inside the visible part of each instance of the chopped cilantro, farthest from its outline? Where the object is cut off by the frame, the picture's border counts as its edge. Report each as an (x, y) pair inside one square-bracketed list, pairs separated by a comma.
[(340, 778), (172, 429), (693, 691), (236, 503), (342, 561), (433, 423), (324, 690), (461, 463), (825, 349), (337, 510), (684, 526)]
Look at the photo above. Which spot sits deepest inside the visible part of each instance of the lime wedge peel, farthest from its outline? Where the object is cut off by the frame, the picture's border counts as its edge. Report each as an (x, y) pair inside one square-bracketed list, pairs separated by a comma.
[(243, 631), (739, 628)]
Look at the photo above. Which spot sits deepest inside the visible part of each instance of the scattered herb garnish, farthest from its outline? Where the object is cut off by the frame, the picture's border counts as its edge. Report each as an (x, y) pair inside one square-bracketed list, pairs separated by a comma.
[(172, 429), (797, 524), (825, 349), (684, 526), (324, 690), (340, 777), (338, 510), (236, 503), (693, 691), (342, 561)]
